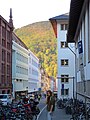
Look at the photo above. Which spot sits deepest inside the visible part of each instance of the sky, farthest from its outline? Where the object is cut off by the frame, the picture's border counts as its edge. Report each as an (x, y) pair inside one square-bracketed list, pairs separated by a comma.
[(26, 12)]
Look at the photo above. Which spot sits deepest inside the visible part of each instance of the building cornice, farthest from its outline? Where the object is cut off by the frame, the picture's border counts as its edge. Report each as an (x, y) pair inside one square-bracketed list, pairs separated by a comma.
[(77, 9), (20, 47)]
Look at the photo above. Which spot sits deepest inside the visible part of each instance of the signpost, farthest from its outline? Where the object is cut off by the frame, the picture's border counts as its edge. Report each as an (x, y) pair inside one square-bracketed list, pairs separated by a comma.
[(81, 65)]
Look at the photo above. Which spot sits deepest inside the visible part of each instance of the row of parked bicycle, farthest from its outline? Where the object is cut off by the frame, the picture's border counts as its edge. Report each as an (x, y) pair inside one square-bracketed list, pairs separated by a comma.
[(20, 110), (76, 108)]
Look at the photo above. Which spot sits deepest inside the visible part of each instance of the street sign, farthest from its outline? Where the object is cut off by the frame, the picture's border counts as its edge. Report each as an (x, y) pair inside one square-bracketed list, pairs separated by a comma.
[(39, 89), (80, 48)]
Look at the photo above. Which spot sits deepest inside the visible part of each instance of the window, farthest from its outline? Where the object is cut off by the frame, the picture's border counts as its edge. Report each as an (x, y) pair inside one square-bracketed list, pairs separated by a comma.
[(3, 43), (84, 42), (3, 55), (3, 91), (8, 46), (62, 26), (3, 32), (64, 91), (34, 72), (8, 69), (64, 44), (21, 70), (64, 78), (8, 92), (64, 62), (88, 23), (66, 26), (29, 59), (29, 70), (22, 58), (34, 63), (8, 57), (8, 35), (8, 79), (2, 79), (3, 68)]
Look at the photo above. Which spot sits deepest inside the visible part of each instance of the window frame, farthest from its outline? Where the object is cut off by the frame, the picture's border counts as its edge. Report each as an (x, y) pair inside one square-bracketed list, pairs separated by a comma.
[(64, 44), (65, 92), (66, 79), (63, 61), (63, 27)]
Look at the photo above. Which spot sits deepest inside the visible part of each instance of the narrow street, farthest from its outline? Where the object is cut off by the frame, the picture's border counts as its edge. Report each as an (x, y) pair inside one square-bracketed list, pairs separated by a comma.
[(59, 114), (42, 103)]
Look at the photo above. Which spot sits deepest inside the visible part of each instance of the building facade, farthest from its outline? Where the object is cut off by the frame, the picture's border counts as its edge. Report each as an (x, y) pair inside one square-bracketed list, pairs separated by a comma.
[(19, 67), (52, 84), (65, 59), (34, 80), (6, 55), (80, 34)]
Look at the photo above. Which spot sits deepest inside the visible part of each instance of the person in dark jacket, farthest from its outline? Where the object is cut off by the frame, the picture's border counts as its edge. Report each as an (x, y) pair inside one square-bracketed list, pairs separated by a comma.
[(50, 104)]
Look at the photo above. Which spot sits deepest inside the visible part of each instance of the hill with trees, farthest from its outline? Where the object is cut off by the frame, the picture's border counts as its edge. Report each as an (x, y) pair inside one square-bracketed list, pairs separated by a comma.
[(40, 39)]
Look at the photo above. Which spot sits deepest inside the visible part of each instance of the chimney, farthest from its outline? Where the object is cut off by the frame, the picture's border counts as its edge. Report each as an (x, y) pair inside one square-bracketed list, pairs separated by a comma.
[(10, 19)]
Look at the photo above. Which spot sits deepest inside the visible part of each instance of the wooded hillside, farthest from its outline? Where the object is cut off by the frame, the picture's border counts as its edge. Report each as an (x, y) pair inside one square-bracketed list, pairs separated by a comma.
[(40, 39)]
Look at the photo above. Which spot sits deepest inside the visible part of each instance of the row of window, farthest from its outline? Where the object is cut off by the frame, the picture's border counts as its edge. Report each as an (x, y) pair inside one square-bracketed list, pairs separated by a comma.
[(4, 53), (64, 62), (4, 44), (32, 86), (34, 72), (34, 63), (5, 32), (5, 91), (4, 69), (4, 78), (64, 92), (21, 70), (63, 26), (22, 58)]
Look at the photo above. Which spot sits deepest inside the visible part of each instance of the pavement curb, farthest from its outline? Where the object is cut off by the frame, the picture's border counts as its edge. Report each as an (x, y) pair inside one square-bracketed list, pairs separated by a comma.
[(41, 112)]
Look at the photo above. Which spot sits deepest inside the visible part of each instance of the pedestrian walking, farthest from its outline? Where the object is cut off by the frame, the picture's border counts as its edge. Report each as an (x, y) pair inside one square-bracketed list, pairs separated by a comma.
[(39, 97), (50, 104)]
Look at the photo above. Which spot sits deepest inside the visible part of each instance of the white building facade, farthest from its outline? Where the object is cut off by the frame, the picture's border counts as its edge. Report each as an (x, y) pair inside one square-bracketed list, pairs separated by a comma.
[(19, 69), (65, 58), (81, 36), (26, 77), (34, 80)]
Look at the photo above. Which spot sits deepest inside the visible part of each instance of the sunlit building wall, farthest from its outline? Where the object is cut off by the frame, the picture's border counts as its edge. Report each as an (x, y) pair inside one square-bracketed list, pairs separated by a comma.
[(34, 80), (81, 36), (19, 69), (65, 59), (6, 29)]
